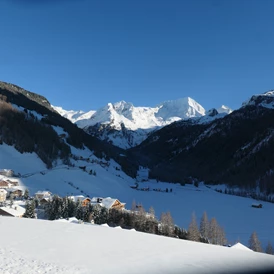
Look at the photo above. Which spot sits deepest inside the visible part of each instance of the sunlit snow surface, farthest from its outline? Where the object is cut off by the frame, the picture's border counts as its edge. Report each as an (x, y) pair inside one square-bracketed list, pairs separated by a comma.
[(36, 246), (233, 213)]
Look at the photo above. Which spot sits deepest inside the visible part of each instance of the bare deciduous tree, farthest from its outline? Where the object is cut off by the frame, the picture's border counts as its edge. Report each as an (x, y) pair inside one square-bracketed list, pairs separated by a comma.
[(204, 226), (133, 205), (216, 233), (167, 225), (151, 212), (254, 242), (193, 233)]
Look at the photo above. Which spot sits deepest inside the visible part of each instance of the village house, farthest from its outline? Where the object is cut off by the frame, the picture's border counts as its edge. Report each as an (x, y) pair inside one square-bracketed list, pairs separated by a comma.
[(4, 184), (13, 183), (85, 201), (42, 194), (12, 211), (108, 203), (44, 201), (257, 205), (3, 195), (16, 192)]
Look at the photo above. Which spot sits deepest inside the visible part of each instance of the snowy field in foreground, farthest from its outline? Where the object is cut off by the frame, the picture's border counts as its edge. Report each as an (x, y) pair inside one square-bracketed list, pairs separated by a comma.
[(37, 246), (235, 214)]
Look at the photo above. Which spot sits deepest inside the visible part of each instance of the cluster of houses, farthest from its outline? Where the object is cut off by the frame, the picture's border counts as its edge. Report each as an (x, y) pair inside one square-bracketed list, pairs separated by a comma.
[(45, 196), (8, 188)]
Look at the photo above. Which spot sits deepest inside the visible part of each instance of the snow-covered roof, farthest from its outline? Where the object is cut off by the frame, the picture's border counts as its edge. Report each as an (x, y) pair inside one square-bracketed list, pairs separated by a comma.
[(241, 246), (46, 199), (3, 190), (95, 199), (14, 210), (44, 192), (12, 182), (12, 189), (108, 202), (77, 197), (105, 202)]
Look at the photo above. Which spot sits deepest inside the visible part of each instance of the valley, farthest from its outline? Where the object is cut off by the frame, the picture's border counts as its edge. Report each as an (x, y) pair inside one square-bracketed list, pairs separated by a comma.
[(233, 213)]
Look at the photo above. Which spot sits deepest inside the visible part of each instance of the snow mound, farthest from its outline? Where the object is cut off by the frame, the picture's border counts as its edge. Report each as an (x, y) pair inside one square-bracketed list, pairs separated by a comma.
[(241, 247)]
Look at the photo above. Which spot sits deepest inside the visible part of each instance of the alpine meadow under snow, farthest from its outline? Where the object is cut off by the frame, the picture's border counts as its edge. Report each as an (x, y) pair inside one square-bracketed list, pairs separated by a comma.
[(38, 246), (235, 214)]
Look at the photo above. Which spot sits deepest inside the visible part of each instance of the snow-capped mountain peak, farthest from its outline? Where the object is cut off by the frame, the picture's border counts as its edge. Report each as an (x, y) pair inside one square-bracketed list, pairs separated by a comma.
[(125, 125), (224, 109), (73, 115), (264, 100), (183, 108)]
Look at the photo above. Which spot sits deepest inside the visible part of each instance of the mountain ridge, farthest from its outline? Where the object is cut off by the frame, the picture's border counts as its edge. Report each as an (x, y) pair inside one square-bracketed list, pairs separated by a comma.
[(126, 126)]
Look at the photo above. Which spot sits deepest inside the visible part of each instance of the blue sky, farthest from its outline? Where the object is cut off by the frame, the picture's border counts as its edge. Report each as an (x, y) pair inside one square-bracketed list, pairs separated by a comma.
[(82, 54)]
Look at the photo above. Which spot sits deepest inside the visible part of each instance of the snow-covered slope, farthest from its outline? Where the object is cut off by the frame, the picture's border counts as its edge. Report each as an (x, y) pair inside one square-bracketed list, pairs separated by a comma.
[(73, 115), (126, 126), (35, 246), (110, 181)]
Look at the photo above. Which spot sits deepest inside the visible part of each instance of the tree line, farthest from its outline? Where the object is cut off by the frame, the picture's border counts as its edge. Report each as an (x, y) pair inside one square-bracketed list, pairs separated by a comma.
[(208, 231)]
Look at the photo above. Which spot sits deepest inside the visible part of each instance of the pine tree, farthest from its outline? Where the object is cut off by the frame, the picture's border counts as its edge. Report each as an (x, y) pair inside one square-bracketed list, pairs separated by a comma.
[(254, 242), (11, 200), (54, 208), (30, 210), (193, 231), (87, 215), (79, 211), (26, 194), (65, 209), (36, 202), (71, 208), (95, 210), (269, 249), (204, 226), (104, 214)]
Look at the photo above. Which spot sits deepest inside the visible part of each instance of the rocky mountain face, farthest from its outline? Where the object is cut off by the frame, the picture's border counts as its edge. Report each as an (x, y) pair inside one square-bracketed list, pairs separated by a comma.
[(236, 149), (30, 124), (126, 126)]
